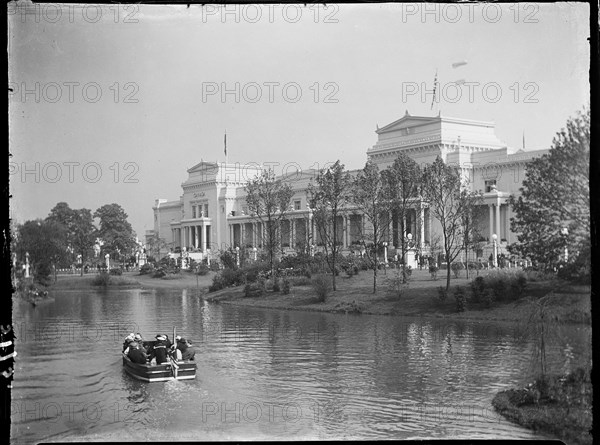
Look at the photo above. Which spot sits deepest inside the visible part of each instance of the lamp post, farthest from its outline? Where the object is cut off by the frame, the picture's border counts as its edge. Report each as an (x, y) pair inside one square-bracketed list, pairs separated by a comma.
[(385, 257), (254, 251), (565, 233), (237, 255), (495, 238)]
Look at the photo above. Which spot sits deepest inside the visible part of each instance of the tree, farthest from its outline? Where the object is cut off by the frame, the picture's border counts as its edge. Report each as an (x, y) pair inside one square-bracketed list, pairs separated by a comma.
[(471, 233), (268, 200), (555, 195), (155, 244), (328, 199), (45, 242), (115, 231), (368, 195), (449, 203), (401, 181), (82, 234)]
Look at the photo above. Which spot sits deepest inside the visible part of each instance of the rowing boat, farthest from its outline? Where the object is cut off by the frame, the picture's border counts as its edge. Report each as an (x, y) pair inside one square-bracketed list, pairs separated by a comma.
[(174, 370)]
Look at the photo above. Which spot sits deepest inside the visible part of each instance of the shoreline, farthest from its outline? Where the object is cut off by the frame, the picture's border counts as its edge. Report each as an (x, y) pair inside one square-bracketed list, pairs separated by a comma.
[(354, 296)]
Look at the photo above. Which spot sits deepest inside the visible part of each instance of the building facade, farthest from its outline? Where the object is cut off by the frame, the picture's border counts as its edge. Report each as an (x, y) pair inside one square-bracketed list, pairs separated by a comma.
[(212, 214)]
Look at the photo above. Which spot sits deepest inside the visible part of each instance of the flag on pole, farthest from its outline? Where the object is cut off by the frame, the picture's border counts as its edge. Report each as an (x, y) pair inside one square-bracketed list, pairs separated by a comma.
[(225, 143), (434, 88), (457, 64)]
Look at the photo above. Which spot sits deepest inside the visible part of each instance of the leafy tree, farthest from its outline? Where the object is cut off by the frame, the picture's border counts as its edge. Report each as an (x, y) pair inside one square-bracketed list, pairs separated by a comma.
[(472, 213), (555, 195), (268, 200), (401, 181), (115, 231), (449, 203), (368, 195), (83, 234), (45, 241), (329, 198)]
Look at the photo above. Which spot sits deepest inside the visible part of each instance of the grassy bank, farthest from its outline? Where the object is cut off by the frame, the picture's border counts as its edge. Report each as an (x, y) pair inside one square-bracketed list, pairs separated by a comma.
[(559, 405), (420, 298)]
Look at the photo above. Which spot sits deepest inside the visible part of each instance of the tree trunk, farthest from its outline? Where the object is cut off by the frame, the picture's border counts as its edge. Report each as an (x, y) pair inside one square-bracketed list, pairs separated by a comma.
[(333, 271), (375, 278), (447, 272)]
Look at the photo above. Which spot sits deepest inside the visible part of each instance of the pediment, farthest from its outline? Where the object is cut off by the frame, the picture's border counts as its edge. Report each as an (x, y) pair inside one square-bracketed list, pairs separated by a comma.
[(407, 121)]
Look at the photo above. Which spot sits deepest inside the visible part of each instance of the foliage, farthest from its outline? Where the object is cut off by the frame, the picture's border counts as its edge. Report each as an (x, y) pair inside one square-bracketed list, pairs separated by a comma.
[(268, 200), (102, 279), (368, 195), (456, 268), (433, 270), (116, 271), (227, 278), (115, 231), (285, 285), (146, 269), (202, 269), (555, 195), (300, 281), (228, 259), (254, 290), (45, 243), (322, 286), (329, 198), (276, 286), (397, 284), (449, 202), (477, 290), (578, 271), (461, 300), (155, 245)]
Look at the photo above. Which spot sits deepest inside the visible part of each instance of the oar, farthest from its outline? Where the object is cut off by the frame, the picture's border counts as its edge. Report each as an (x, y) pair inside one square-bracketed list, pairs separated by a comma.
[(174, 365)]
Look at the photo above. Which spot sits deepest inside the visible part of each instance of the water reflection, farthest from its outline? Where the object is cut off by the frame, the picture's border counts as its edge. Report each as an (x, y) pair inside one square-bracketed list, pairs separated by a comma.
[(265, 374)]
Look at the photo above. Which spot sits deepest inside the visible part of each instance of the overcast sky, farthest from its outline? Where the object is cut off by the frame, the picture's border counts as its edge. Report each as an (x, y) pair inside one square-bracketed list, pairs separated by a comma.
[(136, 91)]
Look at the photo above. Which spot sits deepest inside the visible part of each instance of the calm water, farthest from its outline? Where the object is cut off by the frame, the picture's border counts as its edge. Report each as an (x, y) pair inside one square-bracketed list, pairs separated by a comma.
[(264, 374)]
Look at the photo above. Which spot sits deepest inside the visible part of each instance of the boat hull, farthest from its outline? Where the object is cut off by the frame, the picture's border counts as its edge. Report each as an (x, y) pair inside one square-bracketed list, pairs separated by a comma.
[(159, 373)]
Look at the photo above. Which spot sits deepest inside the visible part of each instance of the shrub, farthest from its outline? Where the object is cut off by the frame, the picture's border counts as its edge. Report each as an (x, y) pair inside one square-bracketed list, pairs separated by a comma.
[(322, 285), (396, 285), (226, 278), (276, 287), (442, 294), (116, 271), (407, 273), (146, 269), (253, 290), (300, 281), (202, 269), (477, 289), (456, 268), (285, 286), (215, 266), (433, 270), (159, 272), (461, 300), (102, 279), (253, 270), (488, 297)]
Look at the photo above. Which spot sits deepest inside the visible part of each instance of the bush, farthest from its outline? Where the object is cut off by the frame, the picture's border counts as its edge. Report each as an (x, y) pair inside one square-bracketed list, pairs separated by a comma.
[(285, 286), (159, 272), (456, 268), (433, 270), (396, 285), (322, 285), (253, 290), (251, 271), (488, 297), (461, 300), (215, 266), (276, 287), (226, 278), (146, 269), (442, 294), (202, 269), (477, 290), (300, 281), (116, 271), (102, 279)]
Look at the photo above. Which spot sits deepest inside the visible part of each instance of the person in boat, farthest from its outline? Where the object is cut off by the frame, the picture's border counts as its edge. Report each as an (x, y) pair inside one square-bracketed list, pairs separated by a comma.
[(187, 351), (136, 353), (128, 341), (140, 341), (159, 351)]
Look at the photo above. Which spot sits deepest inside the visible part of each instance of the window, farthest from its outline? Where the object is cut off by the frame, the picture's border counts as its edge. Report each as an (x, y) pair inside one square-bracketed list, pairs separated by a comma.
[(297, 204), (489, 184), (193, 211), (205, 210)]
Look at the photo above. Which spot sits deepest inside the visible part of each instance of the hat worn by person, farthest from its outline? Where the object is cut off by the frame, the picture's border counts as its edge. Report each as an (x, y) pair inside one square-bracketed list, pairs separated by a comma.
[(138, 337), (130, 336), (161, 337)]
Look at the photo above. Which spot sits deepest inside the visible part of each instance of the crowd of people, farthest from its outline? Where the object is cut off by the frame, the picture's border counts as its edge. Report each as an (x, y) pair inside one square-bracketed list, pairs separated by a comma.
[(159, 351)]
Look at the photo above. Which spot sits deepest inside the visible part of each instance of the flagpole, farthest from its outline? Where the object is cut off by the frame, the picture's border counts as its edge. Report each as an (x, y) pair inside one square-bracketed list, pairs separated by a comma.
[(435, 82), (225, 145)]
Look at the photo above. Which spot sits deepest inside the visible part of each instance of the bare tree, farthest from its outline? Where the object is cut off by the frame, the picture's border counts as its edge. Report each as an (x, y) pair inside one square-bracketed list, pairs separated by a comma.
[(328, 199), (268, 200)]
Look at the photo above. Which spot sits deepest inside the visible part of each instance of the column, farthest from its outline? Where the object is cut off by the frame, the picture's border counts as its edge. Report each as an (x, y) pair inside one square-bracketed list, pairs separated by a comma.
[(421, 225), (254, 235), (203, 238), (346, 231), (498, 231), (242, 237), (291, 232), (491, 208)]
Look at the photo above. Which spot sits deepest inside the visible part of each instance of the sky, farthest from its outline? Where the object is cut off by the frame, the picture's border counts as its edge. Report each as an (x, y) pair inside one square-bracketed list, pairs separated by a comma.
[(114, 103)]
